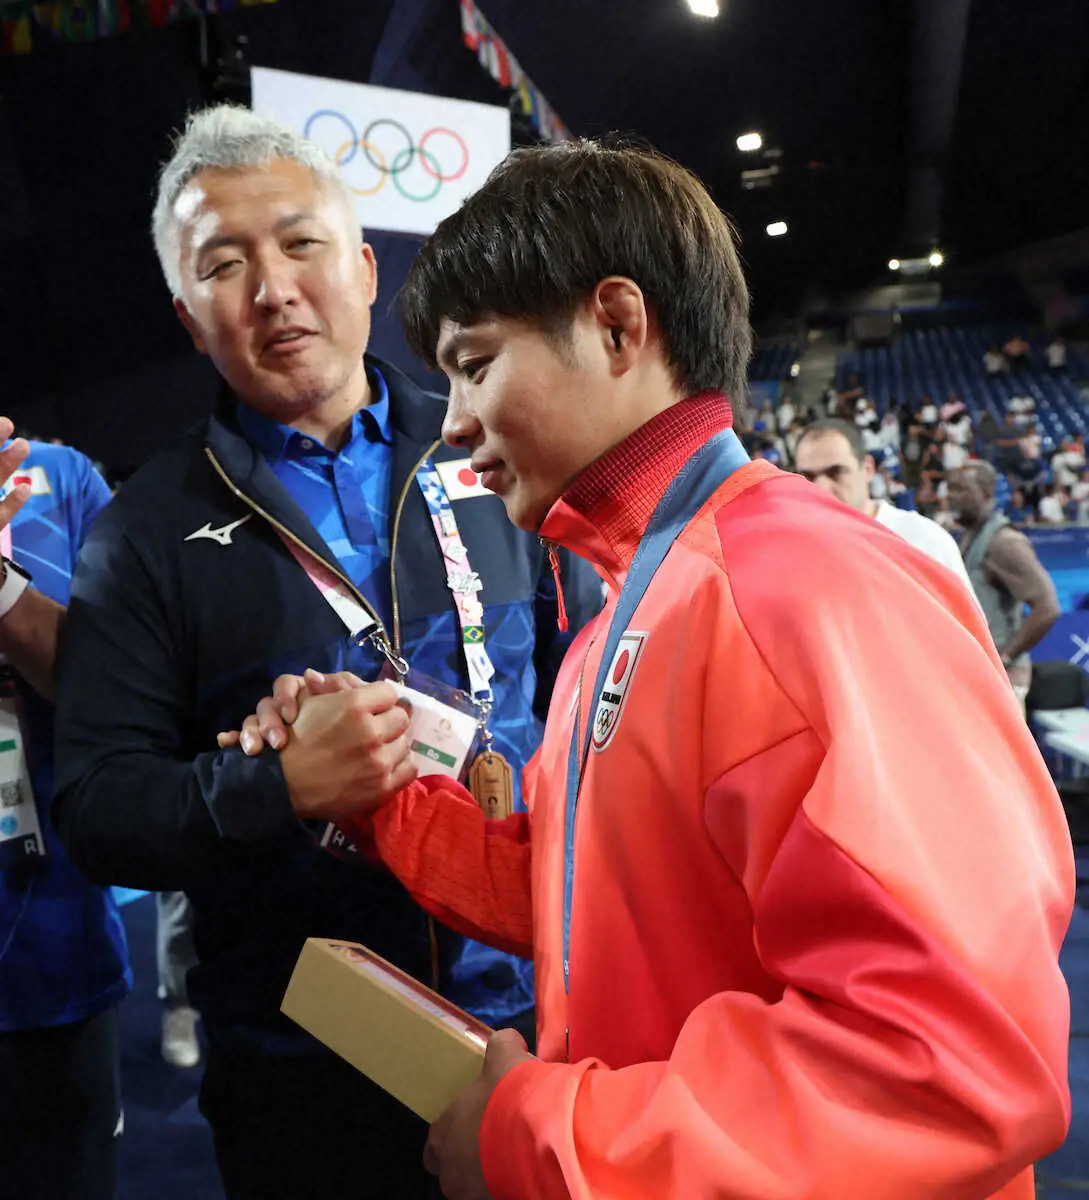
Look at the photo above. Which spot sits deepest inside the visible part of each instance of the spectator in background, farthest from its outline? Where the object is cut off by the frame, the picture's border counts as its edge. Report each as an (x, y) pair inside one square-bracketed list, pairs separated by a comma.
[(1016, 351), (954, 452), (831, 455), (1031, 443), (1008, 444), (987, 435), (1068, 462), (1005, 572), (1023, 409), (890, 431), (956, 422), (1056, 356), (852, 392), (995, 363), (1079, 494), (928, 415), (785, 413), (1017, 510), (64, 965), (1051, 509)]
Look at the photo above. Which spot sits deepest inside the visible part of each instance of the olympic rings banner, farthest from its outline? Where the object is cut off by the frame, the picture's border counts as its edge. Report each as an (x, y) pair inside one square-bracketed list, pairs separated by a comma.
[(408, 159)]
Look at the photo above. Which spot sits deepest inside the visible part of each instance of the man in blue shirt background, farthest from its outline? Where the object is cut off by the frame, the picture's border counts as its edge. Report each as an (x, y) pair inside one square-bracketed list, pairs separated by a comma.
[(63, 960)]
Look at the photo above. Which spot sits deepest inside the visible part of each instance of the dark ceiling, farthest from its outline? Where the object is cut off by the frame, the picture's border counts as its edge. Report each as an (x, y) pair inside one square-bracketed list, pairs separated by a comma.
[(837, 85)]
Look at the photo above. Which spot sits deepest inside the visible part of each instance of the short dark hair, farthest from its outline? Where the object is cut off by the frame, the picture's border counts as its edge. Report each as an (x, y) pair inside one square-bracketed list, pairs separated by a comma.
[(552, 221), (834, 425)]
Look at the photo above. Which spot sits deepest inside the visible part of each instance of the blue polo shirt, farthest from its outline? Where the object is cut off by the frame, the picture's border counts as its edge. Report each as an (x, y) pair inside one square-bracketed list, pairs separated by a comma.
[(346, 496), (63, 955), (345, 493)]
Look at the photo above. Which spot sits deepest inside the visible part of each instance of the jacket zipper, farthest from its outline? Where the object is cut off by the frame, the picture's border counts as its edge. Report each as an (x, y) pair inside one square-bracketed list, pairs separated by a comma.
[(398, 511), (552, 548), (432, 935), (378, 636)]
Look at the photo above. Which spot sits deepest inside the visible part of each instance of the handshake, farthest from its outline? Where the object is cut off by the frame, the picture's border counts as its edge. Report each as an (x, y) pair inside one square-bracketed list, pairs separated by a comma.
[(345, 744)]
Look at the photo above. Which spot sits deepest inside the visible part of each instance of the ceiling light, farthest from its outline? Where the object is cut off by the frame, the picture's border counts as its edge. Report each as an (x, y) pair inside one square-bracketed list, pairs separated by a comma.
[(704, 8), (894, 264), (937, 259), (748, 142), (777, 229)]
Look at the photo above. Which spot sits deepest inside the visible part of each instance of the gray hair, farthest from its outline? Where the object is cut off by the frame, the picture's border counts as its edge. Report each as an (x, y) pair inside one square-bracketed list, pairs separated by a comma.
[(227, 136)]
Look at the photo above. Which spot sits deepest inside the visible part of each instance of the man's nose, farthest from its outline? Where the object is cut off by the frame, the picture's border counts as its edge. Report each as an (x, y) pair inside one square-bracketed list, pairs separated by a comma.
[(275, 285), (460, 425)]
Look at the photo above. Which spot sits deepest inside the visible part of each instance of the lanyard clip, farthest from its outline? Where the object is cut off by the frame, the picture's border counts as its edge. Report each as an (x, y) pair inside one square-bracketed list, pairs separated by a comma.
[(377, 638)]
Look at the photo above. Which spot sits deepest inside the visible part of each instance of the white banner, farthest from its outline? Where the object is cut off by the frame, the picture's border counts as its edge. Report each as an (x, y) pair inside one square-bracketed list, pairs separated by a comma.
[(408, 158)]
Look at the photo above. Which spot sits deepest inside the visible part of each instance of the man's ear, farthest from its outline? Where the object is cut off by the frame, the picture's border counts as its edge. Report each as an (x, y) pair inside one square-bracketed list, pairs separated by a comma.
[(619, 308), (370, 267), (869, 467), (186, 319)]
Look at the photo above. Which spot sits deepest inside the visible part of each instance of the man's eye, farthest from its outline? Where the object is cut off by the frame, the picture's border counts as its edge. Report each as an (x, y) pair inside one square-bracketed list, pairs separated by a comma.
[(472, 368), (303, 242), (220, 268)]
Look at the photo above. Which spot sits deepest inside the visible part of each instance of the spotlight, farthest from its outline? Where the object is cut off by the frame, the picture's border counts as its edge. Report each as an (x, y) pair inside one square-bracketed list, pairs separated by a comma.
[(748, 142), (894, 264), (704, 8), (777, 229), (937, 259)]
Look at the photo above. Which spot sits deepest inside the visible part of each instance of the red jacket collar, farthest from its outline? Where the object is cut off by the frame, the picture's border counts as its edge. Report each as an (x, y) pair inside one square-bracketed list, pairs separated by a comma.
[(604, 513)]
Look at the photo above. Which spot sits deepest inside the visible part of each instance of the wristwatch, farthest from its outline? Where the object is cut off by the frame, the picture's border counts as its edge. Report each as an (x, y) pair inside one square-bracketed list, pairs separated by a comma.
[(13, 582)]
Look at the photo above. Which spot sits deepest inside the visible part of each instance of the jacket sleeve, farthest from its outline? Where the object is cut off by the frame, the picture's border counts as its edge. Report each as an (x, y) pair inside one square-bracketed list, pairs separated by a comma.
[(910, 876), (471, 873), (132, 804)]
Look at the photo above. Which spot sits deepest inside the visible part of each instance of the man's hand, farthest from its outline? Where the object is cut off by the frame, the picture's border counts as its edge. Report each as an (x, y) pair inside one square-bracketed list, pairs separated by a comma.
[(269, 724), (453, 1145), (348, 752), (11, 459)]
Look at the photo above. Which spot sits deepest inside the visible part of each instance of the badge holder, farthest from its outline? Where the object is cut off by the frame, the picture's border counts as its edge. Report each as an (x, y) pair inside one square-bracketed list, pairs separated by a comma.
[(449, 727), (20, 831)]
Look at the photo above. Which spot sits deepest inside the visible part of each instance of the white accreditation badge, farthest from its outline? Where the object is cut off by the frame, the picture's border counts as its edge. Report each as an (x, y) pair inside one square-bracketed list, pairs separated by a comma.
[(20, 831)]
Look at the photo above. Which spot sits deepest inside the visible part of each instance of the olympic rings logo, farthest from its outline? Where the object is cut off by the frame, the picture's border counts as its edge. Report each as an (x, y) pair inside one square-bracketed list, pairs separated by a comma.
[(390, 151)]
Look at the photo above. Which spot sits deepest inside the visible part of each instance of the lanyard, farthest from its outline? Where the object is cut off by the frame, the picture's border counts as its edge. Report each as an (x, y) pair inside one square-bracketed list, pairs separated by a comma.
[(463, 582), (461, 579), (696, 482)]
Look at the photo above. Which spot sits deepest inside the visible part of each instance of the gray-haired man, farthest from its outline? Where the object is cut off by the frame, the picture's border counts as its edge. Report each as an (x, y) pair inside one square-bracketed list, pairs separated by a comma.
[(320, 465)]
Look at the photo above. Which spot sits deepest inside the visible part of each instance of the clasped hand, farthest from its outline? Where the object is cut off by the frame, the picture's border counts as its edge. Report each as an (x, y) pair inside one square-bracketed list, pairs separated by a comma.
[(345, 746)]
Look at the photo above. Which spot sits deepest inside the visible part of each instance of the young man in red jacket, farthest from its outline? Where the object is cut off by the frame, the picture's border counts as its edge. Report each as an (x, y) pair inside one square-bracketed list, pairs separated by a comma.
[(796, 913)]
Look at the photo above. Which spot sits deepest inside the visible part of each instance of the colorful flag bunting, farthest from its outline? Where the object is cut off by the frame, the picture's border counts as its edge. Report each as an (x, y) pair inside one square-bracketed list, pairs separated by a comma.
[(27, 23), (505, 69)]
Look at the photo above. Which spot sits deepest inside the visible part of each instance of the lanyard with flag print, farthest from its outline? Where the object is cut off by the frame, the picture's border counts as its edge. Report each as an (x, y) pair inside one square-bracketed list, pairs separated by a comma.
[(696, 482), (491, 779), (464, 583)]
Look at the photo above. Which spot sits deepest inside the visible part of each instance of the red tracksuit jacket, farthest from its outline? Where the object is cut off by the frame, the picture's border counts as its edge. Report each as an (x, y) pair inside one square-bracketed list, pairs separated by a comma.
[(821, 874)]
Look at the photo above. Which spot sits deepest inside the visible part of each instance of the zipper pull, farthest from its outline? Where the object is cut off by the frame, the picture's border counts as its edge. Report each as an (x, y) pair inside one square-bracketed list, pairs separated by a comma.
[(554, 561)]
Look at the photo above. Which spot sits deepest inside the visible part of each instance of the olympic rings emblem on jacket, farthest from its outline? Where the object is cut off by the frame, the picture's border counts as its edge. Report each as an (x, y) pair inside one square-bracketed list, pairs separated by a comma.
[(445, 145)]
